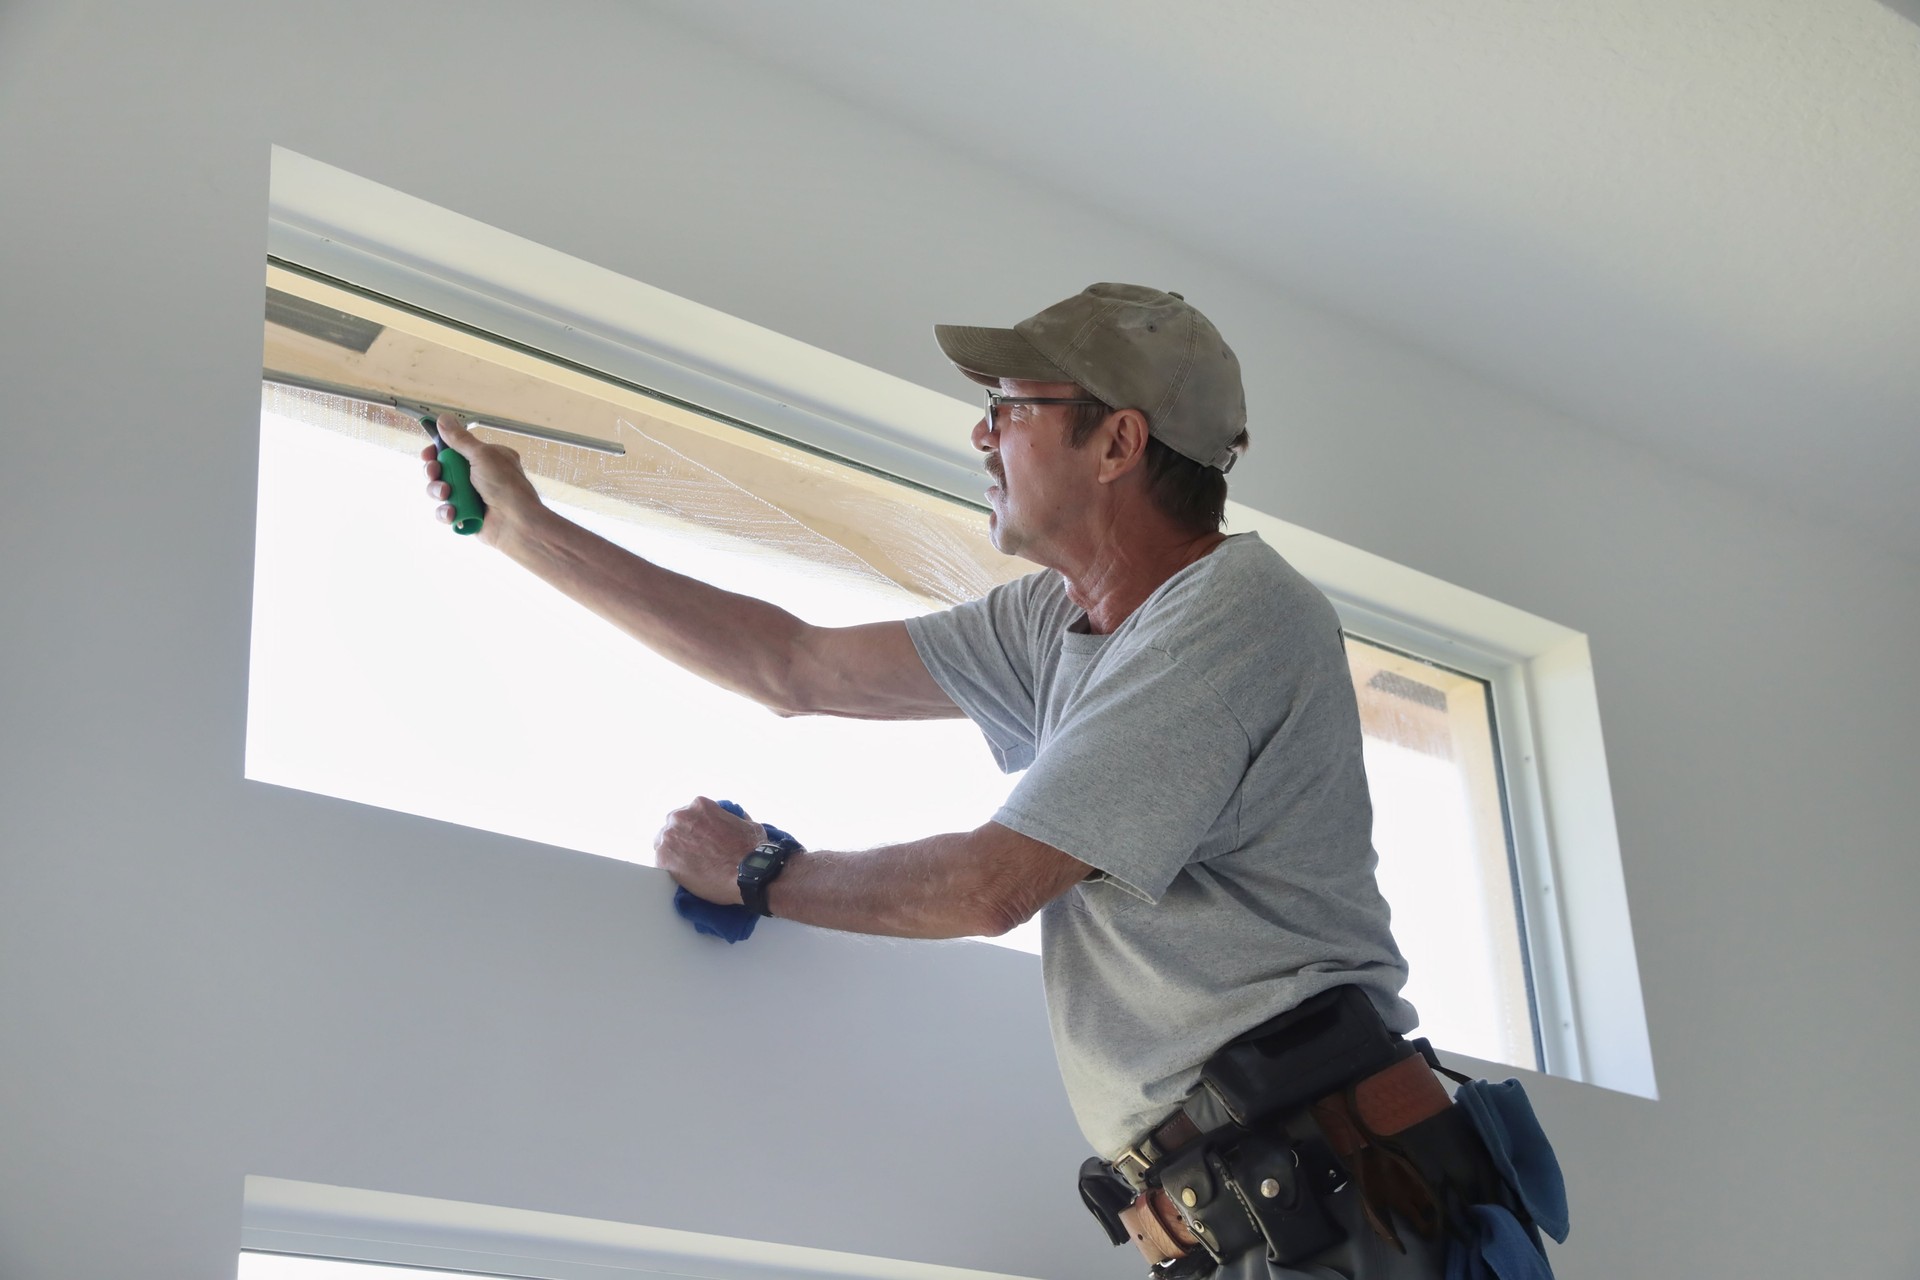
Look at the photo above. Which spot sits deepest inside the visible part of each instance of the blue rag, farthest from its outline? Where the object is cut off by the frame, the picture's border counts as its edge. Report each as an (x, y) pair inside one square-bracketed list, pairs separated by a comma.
[(1496, 1245), (723, 920), (1498, 1248), (1520, 1150)]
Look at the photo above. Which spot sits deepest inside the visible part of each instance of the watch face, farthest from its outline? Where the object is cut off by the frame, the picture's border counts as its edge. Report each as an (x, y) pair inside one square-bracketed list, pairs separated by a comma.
[(760, 861)]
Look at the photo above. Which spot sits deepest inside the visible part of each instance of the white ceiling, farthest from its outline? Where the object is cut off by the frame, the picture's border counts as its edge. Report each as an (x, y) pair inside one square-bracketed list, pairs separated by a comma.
[(1694, 224)]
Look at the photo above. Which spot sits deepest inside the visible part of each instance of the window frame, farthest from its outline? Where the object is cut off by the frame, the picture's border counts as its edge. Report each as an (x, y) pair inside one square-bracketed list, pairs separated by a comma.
[(352, 1224), (1541, 930), (1576, 924)]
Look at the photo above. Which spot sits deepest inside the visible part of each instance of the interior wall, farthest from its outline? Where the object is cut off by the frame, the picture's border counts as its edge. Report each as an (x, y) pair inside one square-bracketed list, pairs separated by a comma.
[(202, 978)]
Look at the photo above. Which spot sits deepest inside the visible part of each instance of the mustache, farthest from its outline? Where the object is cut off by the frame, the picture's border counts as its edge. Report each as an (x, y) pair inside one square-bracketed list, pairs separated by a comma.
[(996, 470)]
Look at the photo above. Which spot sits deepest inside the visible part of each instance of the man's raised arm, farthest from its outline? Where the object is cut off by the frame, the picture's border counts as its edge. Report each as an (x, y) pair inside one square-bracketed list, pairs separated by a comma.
[(740, 643)]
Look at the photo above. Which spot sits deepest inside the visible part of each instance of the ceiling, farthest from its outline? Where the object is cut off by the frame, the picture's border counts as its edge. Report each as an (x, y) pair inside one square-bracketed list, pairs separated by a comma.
[(1693, 224)]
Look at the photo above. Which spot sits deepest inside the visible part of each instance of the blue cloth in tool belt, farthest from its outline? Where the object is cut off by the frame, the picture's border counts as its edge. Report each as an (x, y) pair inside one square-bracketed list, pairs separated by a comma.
[(1520, 1150), (1497, 1246), (723, 920)]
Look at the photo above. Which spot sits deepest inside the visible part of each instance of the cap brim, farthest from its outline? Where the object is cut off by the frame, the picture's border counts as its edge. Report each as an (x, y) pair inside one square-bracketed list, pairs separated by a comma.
[(988, 355)]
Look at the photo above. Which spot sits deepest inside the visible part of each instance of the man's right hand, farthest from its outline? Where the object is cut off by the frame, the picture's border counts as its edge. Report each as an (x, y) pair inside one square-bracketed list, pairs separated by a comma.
[(497, 475)]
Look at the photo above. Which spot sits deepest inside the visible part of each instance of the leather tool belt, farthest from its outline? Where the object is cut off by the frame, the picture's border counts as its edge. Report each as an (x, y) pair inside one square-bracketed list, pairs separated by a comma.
[(1190, 1200)]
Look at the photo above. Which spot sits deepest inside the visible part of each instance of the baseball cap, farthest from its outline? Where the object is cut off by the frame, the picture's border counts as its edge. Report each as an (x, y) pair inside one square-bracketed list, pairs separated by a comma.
[(1131, 346)]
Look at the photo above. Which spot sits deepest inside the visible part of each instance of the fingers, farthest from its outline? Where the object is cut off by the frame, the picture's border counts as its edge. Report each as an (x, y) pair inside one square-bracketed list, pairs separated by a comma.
[(497, 474), (714, 809), (706, 815), (481, 453), (700, 845), (453, 430)]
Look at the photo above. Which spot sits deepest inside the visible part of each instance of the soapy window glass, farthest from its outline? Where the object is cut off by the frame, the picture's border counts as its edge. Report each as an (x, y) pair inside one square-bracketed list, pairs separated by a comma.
[(397, 664)]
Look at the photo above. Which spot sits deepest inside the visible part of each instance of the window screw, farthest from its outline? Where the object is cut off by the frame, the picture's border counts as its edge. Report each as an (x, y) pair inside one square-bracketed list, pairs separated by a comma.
[(1270, 1188)]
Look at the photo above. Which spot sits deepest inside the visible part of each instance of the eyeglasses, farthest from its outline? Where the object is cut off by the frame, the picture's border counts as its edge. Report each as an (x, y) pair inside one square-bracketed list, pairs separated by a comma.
[(995, 400)]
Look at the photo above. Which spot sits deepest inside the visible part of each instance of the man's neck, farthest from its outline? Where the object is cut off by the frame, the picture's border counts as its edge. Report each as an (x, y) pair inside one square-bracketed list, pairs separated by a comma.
[(1118, 575)]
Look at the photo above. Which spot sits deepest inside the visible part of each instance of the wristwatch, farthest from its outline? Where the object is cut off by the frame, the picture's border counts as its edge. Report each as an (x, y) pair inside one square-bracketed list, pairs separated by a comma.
[(759, 869)]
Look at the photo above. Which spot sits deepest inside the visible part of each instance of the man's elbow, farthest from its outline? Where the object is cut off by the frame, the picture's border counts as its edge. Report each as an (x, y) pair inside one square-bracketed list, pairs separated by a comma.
[(791, 687), (997, 924), (998, 911), (1015, 877)]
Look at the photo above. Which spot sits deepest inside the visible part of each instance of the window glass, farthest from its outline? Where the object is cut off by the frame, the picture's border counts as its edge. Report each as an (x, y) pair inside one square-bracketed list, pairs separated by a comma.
[(1440, 828), (397, 664)]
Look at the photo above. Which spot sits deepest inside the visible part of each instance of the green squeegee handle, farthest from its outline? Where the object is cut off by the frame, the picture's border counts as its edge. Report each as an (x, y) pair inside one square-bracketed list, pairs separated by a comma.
[(469, 511)]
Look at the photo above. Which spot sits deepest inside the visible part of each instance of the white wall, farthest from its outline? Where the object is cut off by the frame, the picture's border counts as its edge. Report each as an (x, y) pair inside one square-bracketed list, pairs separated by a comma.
[(202, 978)]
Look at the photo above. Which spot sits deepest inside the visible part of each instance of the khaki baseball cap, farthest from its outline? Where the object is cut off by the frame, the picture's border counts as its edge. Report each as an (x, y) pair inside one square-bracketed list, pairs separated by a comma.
[(1131, 346)]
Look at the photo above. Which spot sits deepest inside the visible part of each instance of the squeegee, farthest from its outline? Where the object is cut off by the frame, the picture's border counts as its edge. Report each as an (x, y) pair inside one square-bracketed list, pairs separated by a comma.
[(469, 509)]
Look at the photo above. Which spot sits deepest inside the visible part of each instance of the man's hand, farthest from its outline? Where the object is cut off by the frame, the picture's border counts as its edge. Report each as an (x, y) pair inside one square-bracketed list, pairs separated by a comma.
[(701, 848), (497, 475)]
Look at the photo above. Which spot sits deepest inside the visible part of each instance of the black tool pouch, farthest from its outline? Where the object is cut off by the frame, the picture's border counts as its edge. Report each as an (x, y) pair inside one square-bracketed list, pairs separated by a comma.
[(1300, 1056), (1199, 1183), (1282, 1187), (1105, 1194)]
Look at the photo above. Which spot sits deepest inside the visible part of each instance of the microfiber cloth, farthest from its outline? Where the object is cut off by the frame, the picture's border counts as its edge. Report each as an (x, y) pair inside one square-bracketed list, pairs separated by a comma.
[(1499, 1249), (723, 920), (1520, 1150)]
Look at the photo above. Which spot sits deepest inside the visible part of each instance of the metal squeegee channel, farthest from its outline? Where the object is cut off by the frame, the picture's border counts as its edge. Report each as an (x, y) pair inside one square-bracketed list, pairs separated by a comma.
[(419, 408)]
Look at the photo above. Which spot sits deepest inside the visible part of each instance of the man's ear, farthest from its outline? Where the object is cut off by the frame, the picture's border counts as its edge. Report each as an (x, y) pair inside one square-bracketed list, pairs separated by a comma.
[(1125, 437)]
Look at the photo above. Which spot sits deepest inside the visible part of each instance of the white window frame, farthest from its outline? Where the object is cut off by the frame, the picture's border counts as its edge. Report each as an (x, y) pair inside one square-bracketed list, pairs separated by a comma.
[(314, 1220), (1578, 930)]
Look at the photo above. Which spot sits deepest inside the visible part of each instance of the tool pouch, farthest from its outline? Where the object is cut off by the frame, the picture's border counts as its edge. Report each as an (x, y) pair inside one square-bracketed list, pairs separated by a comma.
[(1105, 1193), (1199, 1183), (1302, 1055), (1282, 1187)]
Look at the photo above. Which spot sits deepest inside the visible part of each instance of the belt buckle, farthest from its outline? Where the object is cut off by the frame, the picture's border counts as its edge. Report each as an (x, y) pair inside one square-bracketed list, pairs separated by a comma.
[(1133, 1156)]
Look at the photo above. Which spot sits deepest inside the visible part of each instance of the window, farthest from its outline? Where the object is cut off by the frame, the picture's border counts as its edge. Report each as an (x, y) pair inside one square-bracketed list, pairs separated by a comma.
[(395, 664), (291, 1230), (1440, 828), (288, 1266), (841, 493)]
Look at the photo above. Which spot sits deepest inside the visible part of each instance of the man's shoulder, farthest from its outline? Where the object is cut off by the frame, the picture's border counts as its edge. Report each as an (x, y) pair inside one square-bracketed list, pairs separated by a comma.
[(1243, 584), (1013, 612)]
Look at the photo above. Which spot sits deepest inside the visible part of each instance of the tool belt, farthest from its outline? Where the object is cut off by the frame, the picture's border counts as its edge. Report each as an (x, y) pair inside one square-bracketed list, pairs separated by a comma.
[(1319, 1097)]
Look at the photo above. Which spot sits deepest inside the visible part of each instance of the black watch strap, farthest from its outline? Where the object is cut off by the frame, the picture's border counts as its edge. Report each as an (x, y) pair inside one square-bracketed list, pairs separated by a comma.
[(759, 869)]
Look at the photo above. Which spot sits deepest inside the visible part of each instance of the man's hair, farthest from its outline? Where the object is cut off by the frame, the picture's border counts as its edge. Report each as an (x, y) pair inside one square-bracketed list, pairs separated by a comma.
[(1191, 494)]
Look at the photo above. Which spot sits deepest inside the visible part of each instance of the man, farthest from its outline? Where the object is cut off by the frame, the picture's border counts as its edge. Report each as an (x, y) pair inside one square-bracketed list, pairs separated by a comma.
[(1193, 821)]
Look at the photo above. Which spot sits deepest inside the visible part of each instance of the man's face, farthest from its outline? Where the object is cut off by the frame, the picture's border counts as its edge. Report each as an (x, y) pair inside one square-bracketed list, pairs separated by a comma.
[(1040, 483)]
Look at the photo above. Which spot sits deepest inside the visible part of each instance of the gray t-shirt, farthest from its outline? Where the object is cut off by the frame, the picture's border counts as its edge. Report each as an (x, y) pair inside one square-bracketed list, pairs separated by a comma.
[(1205, 760)]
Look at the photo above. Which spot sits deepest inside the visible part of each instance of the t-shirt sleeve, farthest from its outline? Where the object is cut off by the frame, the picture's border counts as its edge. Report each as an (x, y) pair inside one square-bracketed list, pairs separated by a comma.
[(1137, 775), (981, 654)]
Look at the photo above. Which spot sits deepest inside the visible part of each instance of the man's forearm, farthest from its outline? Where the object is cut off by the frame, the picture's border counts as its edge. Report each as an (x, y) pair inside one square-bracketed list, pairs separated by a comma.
[(737, 642), (931, 888), (982, 882), (977, 884)]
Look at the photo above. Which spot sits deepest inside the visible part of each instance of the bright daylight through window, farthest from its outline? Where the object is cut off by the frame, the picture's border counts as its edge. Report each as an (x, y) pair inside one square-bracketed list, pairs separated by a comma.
[(399, 665), (282, 1266)]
